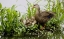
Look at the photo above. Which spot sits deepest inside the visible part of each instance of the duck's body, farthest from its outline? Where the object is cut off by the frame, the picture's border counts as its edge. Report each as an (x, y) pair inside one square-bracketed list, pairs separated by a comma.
[(42, 17)]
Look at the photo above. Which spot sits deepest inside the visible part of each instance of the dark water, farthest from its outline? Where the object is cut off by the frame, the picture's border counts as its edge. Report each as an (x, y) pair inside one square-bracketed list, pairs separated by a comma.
[(21, 37), (45, 35), (35, 37), (26, 37)]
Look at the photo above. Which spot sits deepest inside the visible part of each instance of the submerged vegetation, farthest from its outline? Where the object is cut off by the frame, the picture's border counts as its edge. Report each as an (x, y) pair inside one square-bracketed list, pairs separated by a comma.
[(12, 26)]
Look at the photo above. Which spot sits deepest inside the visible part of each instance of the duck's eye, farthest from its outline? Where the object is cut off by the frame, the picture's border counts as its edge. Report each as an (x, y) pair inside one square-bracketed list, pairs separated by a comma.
[(34, 5)]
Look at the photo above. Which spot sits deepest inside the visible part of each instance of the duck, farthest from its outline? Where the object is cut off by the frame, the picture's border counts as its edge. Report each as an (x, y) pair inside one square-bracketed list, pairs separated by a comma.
[(42, 17)]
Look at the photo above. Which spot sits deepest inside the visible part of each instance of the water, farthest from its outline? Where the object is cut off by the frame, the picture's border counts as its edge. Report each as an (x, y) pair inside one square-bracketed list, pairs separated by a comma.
[(44, 36), (35, 37), (21, 37)]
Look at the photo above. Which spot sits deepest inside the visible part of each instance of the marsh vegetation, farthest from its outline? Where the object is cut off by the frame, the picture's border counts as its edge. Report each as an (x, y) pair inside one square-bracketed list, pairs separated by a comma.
[(12, 26)]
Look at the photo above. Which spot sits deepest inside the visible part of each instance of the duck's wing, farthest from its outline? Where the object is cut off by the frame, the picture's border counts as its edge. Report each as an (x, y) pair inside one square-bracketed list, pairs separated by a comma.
[(51, 14), (47, 14)]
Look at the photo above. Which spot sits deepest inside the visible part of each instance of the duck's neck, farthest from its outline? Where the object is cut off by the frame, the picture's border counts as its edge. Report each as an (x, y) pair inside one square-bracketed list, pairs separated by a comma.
[(38, 11)]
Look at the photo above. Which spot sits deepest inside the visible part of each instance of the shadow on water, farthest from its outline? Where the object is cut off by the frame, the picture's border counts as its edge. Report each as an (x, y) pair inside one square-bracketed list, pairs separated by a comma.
[(19, 38), (46, 35), (32, 37)]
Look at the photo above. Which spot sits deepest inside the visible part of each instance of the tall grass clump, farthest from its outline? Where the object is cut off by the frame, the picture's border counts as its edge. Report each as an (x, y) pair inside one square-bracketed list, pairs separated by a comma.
[(31, 11), (55, 23), (9, 19)]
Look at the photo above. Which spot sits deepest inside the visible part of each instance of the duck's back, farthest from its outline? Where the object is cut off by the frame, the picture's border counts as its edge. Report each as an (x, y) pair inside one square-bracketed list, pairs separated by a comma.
[(43, 17)]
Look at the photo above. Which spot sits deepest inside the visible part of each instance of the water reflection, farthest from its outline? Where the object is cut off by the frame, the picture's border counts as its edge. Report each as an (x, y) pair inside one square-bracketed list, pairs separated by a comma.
[(19, 38), (36, 37), (45, 35)]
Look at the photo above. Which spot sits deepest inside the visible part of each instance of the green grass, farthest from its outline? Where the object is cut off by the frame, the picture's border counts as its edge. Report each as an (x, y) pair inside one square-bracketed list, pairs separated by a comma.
[(59, 13), (10, 22), (55, 23)]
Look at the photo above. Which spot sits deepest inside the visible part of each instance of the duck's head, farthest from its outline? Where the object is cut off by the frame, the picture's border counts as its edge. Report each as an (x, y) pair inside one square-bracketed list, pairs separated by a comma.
[(36, 6)]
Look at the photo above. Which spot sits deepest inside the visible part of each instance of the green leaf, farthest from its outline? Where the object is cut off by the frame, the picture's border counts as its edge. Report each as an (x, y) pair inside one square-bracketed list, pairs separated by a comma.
[(1, 28), (13, 7), (0, 5)]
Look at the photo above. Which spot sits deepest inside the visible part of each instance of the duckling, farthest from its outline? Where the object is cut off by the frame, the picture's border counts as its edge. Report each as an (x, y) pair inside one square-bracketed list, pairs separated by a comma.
[(30, 21)]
